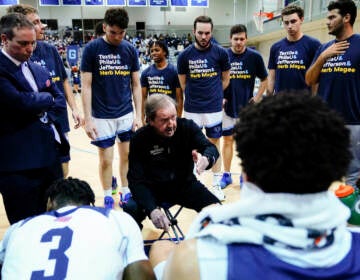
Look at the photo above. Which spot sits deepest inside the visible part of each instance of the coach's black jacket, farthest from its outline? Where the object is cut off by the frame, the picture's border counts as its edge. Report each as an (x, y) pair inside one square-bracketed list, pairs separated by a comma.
[(158, 162)]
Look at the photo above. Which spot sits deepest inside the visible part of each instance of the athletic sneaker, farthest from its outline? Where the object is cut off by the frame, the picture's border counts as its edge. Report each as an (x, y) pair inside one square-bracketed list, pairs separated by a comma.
[(217, 191), (225, 180), (124, 199), (108, 202), (114, 185)]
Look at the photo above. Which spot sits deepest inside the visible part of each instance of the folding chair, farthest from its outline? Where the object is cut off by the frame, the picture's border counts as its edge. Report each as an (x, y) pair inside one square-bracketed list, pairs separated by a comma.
[(179, 235)]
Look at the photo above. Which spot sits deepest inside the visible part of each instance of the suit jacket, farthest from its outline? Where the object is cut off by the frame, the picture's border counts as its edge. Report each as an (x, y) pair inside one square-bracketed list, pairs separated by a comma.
[(25, 141)]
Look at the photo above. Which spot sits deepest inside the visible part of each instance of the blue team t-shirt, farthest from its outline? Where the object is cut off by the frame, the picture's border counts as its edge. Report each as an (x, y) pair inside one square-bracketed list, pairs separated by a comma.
[(339, 81), (290, 60), (245, 68), (48, 57), (163, 81), (248, 261), (203, 70), (111, 68)]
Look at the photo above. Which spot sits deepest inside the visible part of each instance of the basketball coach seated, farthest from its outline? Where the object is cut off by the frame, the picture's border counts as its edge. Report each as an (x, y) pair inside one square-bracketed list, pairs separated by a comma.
[(286, 224), (161, 163)]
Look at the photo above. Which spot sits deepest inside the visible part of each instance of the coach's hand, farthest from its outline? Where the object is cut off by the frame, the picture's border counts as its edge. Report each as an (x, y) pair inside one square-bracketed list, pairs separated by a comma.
[(201, 162), (159, 219)]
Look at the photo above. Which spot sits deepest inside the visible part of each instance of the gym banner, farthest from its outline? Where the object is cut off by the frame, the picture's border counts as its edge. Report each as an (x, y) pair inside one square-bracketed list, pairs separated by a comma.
[(200, 3), (179, 3), (158, 3), (137, 3), (94, 3), (72, 54), (116, 2), (8, 2), (71, 2), (49, 3)]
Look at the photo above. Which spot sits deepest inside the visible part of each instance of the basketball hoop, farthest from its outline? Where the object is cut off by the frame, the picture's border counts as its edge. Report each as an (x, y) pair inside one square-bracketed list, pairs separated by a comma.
[(259, 19)]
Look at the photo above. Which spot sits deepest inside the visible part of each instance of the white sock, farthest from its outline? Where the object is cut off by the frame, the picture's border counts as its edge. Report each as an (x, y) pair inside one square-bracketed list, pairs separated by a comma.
[(125, 190), (108, 192), (216, 179)]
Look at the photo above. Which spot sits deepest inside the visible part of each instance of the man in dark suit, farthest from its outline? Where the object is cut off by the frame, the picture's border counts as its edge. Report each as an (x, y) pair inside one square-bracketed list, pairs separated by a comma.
[(30, 139), (48, 57)]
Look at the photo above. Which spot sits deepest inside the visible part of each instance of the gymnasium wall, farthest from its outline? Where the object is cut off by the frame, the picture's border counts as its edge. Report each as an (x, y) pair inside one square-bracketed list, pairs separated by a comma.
[(224, 13), (221, 12)]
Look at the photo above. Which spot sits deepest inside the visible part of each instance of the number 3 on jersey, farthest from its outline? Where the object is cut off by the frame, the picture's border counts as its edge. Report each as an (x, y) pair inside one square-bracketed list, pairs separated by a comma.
[(58, 254)]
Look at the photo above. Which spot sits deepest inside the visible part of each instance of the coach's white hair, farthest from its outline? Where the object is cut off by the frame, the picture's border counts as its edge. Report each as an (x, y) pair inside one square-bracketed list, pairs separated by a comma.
[(155, 102)]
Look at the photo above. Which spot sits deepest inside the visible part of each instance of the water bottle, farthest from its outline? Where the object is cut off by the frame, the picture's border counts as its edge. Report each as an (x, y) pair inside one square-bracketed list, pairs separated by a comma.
[(350, 197)]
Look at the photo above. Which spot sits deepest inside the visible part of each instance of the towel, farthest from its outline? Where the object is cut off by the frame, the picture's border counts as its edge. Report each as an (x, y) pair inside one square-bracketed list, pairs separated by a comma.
[(308, 230)]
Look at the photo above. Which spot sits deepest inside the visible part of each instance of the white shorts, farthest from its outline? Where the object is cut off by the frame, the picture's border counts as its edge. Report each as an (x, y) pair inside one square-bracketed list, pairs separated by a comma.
[(109, 130), (228, 124), (211, 121)]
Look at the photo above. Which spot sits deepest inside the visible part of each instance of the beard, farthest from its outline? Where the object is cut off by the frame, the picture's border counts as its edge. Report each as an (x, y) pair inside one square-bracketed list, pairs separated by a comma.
[(337, 29), (201, 45)]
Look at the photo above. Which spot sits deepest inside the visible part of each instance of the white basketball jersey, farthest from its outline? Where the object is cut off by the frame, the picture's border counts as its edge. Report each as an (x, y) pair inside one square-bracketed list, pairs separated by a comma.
[(72, 243)]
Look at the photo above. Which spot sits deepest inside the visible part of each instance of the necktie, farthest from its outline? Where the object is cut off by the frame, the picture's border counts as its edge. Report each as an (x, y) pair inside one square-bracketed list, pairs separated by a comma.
[(29, 76)]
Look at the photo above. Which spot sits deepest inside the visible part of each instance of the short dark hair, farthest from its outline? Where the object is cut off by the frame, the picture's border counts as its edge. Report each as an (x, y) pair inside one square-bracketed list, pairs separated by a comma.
[(238, 28), (22, 9), (118, 17), (203, 19), (70, 191), (155, 102), (345, 7), (292, 9), (292, 143), (99, 30), (13, 20), (162, 44)]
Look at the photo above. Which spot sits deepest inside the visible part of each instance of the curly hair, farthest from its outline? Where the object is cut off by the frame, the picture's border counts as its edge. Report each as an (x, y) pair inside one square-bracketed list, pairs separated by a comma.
[(118, 17), (22, 9), (70, 191), (292, 9), (292, 143), (161, 44)]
